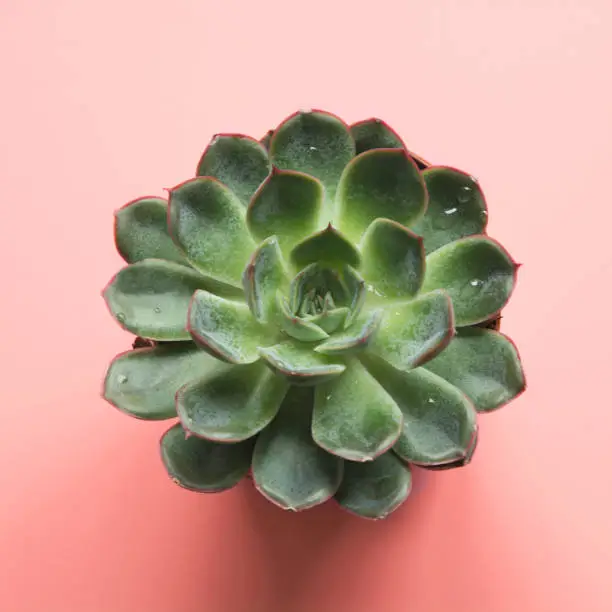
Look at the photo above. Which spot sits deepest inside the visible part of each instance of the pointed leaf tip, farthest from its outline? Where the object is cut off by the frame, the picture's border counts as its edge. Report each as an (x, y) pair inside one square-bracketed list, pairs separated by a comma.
[(329, 247)]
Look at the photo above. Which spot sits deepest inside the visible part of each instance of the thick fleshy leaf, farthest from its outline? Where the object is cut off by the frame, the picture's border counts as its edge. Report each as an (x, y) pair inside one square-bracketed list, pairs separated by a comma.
[(484, 364), (289, 469), (415, 331), (354, 417), (328, 246), (356, 291), (374, 134), (393, 259), (150, 298), (143, 382), (459, 462), (379, 183), (478, 275), (208, 221), (316, 143), (287, 205), (376, 488), (316, 279), (330, 320), (232, 403), (141, 231), (439, 420), (263, 277), (238, 161), (225, 328), (297, 327), (202, 465), (456, 208), (300, 364), (355, 337)]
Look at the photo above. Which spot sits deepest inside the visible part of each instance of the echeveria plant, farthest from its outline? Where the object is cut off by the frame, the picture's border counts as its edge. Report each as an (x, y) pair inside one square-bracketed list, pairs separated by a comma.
[(319, 309)]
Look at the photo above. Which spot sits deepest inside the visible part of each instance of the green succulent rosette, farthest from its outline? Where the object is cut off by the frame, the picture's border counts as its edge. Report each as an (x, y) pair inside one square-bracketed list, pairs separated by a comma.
[(315, 309)]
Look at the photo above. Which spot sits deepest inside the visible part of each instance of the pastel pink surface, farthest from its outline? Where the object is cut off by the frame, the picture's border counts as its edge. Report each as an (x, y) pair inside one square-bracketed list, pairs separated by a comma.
[(105, 101)]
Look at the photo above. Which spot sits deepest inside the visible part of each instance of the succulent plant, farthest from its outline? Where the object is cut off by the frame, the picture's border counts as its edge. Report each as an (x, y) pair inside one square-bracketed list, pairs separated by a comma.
[(319, 309)]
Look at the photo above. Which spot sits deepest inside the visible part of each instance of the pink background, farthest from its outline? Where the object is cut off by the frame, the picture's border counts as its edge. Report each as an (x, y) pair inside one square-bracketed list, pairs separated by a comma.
[(106, 101)]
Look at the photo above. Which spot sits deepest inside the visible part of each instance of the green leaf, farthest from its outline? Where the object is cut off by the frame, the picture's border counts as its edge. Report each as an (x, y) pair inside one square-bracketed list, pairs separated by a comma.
[(316, 279), (393, 259), (356, 290), (478, 275), (459, 462), (288, 205), (376, 488), (225, 328), (150, 298), (374, 134), (329, 320), (289, 469), (484, 364), (355, 337), (296, 327), (231, 403), (379, 183), (316, 143), (415, 331), (239, 162), (201, 465), (141, 232), (354, 417), (263, 277), (439, 420), (208, 221), (143, 382), (456, 208), (300, 364), (328, 247)]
